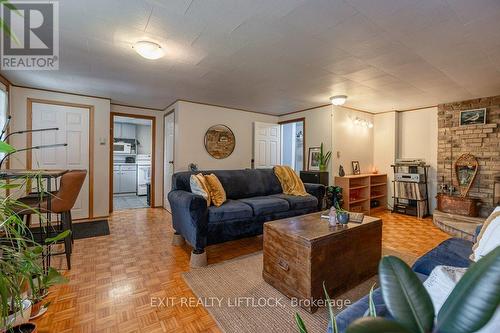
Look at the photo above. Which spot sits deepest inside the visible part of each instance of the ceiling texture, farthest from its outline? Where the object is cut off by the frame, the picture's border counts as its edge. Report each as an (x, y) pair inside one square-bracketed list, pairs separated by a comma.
[(278, 56)]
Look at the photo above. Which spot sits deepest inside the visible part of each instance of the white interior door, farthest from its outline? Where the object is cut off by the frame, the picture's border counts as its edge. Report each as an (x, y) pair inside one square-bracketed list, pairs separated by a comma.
[(267, 146), (73, 124), (168, 160)]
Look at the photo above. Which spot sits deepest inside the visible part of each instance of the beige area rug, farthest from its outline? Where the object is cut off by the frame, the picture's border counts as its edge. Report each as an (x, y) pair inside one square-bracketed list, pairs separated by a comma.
[(239, 300)]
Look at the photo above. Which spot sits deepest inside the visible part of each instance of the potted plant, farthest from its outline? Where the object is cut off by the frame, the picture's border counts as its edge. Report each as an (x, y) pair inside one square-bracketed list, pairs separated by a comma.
[(22, 278), (342, 214), (469, 307), (324, 159)]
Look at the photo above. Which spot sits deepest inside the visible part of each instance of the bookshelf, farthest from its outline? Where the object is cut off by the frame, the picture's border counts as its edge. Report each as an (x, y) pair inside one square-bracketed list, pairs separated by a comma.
[(411, 197), (365, 193)]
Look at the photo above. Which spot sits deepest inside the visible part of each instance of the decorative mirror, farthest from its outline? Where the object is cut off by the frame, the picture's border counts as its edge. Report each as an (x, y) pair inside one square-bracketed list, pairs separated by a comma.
[(219, 141), (465, 170)]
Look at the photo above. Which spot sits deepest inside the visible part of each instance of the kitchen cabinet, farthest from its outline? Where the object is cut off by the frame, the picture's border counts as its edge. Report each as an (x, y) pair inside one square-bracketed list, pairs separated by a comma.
[(124, 131), (124, 178)]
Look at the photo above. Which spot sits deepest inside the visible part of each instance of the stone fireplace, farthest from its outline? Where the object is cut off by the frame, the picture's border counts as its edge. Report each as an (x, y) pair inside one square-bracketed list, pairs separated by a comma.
[(483, 141)]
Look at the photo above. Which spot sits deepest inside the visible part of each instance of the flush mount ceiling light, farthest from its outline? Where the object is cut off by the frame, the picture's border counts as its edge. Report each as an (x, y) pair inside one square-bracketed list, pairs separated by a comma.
[(338, 100), (149, 50)]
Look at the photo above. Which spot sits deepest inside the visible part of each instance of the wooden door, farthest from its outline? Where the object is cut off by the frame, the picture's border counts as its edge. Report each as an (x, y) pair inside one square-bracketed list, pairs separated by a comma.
[(267, 146), (73, 124)]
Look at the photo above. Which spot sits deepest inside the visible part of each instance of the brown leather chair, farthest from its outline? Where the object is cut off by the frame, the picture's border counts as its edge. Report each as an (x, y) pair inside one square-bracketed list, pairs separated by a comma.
[(61, 202)]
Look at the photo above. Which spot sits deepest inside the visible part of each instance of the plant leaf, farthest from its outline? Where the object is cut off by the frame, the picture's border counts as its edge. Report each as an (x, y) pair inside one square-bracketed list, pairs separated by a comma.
[(376, 325), (371, 304), (474, 299), (300, 324), (6, 148), (333, 322), (59, 237), (405, 296)]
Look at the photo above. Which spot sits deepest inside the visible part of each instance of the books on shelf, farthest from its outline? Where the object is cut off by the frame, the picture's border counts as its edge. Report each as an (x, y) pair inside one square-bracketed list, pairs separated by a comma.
[(410, 191)]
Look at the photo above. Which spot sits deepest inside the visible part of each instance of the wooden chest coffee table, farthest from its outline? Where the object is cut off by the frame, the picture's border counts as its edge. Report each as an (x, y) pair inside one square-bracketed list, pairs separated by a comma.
[(301, 252)]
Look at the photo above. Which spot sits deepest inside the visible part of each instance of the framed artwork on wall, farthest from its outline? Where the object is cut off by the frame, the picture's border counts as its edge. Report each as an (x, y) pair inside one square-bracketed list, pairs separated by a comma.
[(473, 117), (356, 170), (219, 141), (313, 160)]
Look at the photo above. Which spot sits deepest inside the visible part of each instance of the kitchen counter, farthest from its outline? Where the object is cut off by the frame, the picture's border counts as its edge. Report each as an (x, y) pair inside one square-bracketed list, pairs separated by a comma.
[(123, 163)]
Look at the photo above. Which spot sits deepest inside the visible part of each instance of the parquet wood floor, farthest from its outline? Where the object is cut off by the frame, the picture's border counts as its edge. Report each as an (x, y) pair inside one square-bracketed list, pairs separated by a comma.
[(114, 277)]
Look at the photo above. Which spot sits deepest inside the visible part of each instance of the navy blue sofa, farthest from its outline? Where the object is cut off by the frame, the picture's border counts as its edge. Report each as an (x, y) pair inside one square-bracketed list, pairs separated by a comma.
[(254, 197), (451, 252)]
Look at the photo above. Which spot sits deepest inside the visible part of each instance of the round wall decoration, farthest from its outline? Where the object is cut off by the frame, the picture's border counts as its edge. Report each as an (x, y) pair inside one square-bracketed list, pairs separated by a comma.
[(219, 141)]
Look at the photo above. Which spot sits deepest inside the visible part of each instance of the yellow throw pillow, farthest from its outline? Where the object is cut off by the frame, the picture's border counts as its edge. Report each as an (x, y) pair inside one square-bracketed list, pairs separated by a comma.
[(217, 192), (200, 186)]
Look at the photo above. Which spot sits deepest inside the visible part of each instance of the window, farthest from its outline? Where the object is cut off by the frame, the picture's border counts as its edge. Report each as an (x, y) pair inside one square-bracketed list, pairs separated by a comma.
[(292, 144)]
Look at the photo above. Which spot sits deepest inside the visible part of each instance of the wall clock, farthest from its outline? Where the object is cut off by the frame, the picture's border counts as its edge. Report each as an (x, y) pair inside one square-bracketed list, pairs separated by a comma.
[(219, 141)]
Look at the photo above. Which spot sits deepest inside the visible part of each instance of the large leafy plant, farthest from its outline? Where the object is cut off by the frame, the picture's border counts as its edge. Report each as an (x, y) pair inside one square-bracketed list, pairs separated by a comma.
[(21, 273), (468, 308)]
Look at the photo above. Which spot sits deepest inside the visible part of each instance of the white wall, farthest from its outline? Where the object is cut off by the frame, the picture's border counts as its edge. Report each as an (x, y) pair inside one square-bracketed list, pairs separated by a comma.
[(158, 147), (385, 140), (334, 127), (352, 142), (143, 135), (418, 138), (18, 106), (192, 120)]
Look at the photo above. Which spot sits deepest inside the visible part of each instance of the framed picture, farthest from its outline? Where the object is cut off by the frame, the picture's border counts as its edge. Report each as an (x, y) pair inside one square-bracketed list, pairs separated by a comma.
[(473, 117), (356, 170), (313, 160)]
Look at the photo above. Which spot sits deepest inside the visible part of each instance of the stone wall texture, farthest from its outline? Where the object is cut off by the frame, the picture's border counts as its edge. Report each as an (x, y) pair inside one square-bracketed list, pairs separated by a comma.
[(483, 141)]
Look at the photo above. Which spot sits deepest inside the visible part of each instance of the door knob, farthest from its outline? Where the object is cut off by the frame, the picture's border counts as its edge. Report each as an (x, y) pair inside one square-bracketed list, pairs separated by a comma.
[(171, 162)]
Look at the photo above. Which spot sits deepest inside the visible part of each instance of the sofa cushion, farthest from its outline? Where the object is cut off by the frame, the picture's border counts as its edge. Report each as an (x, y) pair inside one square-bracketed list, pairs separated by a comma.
[(230, 210), (451, 252), (299, 202), (237, 183), (266, 205)]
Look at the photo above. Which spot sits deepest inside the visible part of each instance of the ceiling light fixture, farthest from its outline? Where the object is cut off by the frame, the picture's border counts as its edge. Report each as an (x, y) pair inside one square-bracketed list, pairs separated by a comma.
[(338, 100), (149, 50)]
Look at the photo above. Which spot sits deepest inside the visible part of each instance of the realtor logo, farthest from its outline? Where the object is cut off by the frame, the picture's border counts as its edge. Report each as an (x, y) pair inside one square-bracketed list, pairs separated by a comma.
[(33, 43)]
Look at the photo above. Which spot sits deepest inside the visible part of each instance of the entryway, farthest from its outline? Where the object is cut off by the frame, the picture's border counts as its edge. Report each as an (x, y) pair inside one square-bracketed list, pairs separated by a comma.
[(132, 159)]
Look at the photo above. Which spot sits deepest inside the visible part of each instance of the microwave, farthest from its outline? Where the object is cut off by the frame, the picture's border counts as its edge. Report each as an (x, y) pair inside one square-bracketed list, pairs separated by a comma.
[(122, 148)]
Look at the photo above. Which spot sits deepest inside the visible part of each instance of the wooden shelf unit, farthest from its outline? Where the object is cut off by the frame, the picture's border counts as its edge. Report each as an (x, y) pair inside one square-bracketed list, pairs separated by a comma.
[(358, 191)]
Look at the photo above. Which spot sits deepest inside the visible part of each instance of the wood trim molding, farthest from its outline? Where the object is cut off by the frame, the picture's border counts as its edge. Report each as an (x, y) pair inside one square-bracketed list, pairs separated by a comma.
[(163, 154), (137, 107), (303, 120), (29, 140), (222, 106), (153, 153), (6, 82)]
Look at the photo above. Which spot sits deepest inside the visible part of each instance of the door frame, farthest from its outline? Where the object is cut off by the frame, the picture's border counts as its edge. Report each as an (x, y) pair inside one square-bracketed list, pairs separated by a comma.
[(153, 153), (296, 120), (29, 141), (164, 148)]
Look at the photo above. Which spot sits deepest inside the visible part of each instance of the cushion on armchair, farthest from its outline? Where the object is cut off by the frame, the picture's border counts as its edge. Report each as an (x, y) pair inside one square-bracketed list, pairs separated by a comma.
[(451, 252)]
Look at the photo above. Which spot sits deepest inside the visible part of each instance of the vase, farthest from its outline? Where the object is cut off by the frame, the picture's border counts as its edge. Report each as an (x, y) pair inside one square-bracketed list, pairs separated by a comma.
[(322, 167), (341, 171), (343, 217)]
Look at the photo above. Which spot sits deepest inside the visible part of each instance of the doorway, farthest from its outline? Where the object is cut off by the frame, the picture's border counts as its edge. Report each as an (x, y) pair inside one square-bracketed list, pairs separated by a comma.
[(293, 144), (168, 156), (132, 161)]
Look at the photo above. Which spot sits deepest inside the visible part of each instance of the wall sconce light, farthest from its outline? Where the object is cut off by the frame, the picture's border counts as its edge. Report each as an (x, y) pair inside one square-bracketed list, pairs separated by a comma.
[(362, 122)]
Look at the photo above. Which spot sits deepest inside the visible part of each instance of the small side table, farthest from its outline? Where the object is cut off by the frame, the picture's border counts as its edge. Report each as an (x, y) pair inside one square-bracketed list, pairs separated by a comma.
[(315, 177)]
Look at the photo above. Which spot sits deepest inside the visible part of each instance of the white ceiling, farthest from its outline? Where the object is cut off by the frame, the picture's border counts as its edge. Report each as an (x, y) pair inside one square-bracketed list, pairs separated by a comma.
[(278, 56)]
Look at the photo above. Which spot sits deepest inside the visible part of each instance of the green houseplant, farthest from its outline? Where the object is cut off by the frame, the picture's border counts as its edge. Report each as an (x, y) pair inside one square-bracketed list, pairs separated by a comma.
[(469, 307), (324, 159), (22, 278)]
